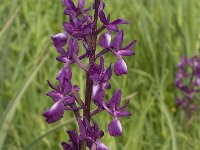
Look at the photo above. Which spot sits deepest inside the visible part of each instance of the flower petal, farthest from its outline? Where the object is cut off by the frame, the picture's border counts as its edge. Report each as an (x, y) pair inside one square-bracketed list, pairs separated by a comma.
[(111, 27), (59, 40), (123, 113), (119, 21), (99, 97), (115, 128), (131, 45), (105, 40), (126, 52), (68, 27), (65, 146), (108, 73), (100, 146), (55, 95), (117, 42), (120, 67), (115, 100), (55, 113), (103, 18), (81, 4)]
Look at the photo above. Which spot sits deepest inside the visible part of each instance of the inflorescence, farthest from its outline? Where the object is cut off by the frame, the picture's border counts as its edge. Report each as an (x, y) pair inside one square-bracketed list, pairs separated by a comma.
[(83, 28), (188, 82)]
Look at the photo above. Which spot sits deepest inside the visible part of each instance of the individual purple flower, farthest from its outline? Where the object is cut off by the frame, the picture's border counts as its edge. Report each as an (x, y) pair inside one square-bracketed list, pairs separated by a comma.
[(73, 141), (78, 28), (71, 9), (59, 40), (92, 135), (111, 26), (63, 100), (100, 78), (115, 47), (67, 57), (113, 107)]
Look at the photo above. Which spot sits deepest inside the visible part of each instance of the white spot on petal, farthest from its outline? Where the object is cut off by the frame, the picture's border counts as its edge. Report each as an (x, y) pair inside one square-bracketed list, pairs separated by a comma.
[(95, 89), (108, 38)]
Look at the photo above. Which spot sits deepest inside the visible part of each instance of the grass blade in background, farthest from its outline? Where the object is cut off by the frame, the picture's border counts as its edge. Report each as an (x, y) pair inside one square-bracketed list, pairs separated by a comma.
[(11, 109)]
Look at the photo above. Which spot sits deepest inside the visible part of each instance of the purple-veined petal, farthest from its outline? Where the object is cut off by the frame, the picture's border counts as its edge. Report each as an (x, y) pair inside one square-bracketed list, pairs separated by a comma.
[(126, 52), (86, 29), (62, 59), (61, 51), (68, 27), (65, 72), (65, 146), (73, 136), (111, 27), (119, 21), (120, 67), (70, 48), (66, 86), (123, 113), (103, 18), (101, 6), (99, 145), (68, 100), (105, 40), (55, 95), (99, 96), (117, 42), (81, 4), (59, 40), (115, 100), (108, 73), (115, 128), (131, 45), (55, 113), (70, 4)]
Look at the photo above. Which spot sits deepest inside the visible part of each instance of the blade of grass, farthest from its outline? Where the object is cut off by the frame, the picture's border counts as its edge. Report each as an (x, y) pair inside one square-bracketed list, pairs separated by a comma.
[(9, 22), (11, 109), (38, 139)]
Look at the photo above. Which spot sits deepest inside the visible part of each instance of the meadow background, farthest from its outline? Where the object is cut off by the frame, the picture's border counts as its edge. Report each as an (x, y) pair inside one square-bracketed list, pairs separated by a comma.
[(165, 30)]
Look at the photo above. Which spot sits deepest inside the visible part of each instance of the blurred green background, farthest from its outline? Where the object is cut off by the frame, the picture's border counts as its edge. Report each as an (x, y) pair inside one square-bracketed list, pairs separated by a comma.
[(165, 30)]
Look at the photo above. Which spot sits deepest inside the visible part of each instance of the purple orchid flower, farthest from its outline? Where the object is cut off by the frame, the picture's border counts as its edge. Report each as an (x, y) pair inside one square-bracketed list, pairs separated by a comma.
[(92, 135), (68, 57), (73, 141), (111, 26), (113, 107), (63, 101), (71, 9), (78, 28), (100, 78), (82, 28), (188, 82), (115, 47)]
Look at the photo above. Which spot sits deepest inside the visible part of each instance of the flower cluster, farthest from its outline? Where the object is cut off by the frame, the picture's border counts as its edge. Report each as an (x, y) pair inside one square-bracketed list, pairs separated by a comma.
[(83, 28), (188, 82)]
